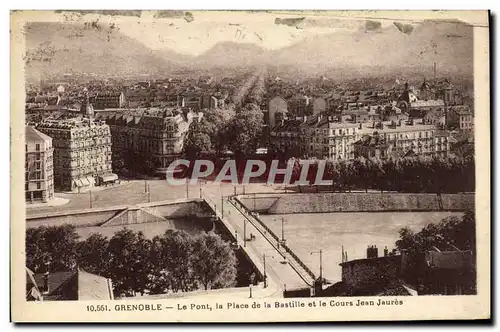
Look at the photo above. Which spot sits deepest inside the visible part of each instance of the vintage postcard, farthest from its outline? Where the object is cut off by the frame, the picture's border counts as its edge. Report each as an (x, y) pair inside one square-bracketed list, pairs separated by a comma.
[(250, 166)]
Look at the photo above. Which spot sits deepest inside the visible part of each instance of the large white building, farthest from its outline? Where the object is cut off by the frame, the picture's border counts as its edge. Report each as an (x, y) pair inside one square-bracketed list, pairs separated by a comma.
[(39, 178)]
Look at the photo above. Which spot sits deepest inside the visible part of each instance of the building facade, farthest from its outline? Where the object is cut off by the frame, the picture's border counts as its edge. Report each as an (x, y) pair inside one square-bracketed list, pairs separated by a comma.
[(148, 139), (325, 138), (109, 100), (398, 139), (316, 136), (460, 117), (82, 151), (330, 137), (39, 169)]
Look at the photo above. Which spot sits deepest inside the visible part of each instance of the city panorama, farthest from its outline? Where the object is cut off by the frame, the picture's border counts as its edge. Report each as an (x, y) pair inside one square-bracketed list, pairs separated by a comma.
[(173, 154)]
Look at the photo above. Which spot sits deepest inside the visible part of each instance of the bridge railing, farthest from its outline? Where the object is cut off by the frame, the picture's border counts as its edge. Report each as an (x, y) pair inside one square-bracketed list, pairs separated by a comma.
[(275, 237)]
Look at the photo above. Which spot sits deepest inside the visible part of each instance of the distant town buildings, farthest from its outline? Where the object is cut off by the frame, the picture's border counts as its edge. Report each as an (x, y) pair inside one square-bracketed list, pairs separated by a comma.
[(107, 99), (39, 178), (331, 137)]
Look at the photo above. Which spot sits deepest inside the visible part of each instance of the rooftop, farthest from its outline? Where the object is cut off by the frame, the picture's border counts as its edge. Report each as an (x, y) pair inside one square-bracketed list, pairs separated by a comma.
[(33, 135)]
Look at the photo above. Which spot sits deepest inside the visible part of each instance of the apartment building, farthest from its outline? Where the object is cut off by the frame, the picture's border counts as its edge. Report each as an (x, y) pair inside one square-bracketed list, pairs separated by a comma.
[(460, 117), (82, 151), (323, 137), (398, 139), (315, 136), (330, 137), (39, 170), (151, 136)]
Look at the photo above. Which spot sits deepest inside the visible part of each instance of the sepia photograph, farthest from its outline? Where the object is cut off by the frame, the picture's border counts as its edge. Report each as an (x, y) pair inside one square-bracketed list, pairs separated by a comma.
[(250, 165)]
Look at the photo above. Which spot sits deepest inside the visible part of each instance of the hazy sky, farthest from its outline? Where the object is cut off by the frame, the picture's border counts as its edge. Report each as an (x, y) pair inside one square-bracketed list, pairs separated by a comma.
[(209, 28)]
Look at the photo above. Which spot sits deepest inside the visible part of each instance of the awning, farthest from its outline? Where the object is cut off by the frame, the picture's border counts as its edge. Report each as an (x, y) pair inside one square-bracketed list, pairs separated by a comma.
[(84, 181), (79, 182), (90, 180), (109, 177)]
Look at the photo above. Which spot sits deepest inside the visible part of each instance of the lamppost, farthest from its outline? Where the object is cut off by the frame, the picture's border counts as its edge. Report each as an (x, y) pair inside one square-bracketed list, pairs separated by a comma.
[(265, 274), (320, 263), (187, 188), (245, 232), (254, 209), (90, 198), (222, 206), (282, 229)]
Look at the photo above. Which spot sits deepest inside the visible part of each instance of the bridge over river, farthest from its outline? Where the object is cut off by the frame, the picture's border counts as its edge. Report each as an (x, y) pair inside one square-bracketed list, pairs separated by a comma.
[(283, 268)]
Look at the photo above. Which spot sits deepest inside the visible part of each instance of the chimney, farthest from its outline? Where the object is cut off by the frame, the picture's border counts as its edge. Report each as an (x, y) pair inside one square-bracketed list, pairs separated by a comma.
[(375, 252), (370, 252), (386, 252)]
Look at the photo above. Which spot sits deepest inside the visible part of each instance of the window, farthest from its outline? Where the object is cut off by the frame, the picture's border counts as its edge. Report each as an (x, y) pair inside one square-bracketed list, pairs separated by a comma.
[(37, 147), (38, 185)]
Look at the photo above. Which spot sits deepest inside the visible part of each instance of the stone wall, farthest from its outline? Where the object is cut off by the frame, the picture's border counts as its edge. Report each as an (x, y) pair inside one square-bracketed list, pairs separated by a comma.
[(262, 202), (357, 202), (122, 215)]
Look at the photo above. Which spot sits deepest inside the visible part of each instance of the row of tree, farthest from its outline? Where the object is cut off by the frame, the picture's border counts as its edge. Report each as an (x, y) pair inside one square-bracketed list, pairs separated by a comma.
[(175, 261), (256, 95), (243, 90), (411, 174), (430, 174)]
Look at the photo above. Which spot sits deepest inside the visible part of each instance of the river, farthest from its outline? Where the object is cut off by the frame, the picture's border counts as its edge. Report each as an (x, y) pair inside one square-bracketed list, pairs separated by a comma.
[(306, 233)]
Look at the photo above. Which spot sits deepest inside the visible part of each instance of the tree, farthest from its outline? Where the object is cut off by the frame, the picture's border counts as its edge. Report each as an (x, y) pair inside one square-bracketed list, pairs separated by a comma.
[(55, 245), (93, 255), (450, 234), (214, 262), (245, 130), (173, 261), (128, 261), (210, 134), (198, 140)]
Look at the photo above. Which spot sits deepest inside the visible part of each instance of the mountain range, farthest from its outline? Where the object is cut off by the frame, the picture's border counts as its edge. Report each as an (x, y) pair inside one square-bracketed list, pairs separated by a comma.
[(61, 47)]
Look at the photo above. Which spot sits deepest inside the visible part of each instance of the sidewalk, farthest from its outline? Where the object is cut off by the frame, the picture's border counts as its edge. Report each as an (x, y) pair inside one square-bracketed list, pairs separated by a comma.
[(57, 201), (123, 183)]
